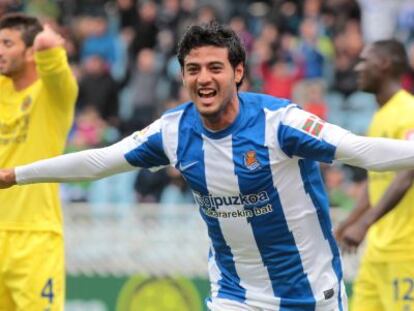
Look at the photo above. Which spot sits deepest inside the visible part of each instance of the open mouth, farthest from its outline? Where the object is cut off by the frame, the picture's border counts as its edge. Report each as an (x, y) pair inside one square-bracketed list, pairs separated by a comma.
[(206, 93)]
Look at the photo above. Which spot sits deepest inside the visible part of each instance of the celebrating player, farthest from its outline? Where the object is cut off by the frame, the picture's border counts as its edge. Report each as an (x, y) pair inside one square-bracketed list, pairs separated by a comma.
[(37, 96), (251, 161)]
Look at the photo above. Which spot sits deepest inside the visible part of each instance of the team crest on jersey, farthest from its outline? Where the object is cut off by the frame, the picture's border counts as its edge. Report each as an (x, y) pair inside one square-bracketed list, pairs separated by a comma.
[(250, 160), (26, 104), (313, 126)]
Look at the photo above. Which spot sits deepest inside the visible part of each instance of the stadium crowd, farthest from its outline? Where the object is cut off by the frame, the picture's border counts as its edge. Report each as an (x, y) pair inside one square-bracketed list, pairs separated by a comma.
[(123, 55)]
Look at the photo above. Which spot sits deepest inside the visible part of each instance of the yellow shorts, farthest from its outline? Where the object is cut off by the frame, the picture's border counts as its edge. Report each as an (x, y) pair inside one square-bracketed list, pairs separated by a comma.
[(384, 287), (31, 271)]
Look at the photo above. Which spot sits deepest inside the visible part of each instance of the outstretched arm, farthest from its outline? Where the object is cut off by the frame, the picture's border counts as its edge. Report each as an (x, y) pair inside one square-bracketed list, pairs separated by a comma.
[(141, 149), (85, 165), (375, 154)]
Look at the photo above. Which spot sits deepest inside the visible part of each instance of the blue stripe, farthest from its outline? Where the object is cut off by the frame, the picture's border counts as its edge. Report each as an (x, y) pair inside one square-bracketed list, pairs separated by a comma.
[(190, 149), (296, 143), (148, 154), (275, 242), (313, 185)]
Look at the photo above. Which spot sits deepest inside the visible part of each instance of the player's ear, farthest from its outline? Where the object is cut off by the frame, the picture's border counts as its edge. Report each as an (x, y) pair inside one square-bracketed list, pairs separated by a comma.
[(29, 54), (238, 72), (183, 79), (386, 64)]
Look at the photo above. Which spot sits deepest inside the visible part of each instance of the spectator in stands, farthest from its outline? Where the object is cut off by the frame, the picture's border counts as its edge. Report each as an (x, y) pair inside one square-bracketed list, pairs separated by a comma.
[(146, 29), (96, 76), (279, 77), (99, 40), (143, 86), (176, 192), (313, 49)]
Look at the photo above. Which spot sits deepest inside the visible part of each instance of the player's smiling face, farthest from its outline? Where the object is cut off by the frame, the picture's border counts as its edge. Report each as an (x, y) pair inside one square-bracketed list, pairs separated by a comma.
[(13, 52), (211, 81)]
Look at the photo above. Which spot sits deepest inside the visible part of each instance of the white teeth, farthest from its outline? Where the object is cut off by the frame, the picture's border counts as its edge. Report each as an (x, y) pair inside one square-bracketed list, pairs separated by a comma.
[(206, 93)]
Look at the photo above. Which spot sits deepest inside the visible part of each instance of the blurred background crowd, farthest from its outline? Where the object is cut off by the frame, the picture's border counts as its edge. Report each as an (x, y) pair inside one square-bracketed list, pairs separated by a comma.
[(123, 55)]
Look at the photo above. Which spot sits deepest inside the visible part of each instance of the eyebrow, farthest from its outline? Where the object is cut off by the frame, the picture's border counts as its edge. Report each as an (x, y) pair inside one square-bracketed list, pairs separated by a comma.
[(208, 64)]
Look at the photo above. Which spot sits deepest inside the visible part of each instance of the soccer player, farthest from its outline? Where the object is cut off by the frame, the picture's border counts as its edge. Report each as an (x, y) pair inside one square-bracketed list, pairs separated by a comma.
[(37, 96), (385, 280), (251, 161)]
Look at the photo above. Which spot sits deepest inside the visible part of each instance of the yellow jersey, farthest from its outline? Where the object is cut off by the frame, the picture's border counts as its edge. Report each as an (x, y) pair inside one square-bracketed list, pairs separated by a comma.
[(34, 124), (392, 237)]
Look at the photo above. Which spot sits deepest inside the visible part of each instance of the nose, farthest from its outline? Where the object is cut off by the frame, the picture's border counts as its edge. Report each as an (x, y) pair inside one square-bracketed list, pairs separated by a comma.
[(204, 77)]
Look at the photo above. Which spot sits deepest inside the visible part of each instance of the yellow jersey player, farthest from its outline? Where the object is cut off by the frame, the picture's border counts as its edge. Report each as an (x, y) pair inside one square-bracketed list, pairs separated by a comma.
[(37, 96), (385, 281)]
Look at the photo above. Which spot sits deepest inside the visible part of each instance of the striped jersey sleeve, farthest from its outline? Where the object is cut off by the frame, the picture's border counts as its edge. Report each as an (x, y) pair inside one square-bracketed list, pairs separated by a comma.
[(305, 135), (145, 148)]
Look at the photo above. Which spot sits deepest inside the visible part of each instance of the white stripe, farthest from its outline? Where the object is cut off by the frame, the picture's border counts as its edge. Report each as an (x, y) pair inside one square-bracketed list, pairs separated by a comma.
[(301, 216), (169, 131), (214, 273), (222, 181)]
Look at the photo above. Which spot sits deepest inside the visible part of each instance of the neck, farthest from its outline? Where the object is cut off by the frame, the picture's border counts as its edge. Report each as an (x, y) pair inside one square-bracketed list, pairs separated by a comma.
[(224, 118), (24, 78), (387, 91)]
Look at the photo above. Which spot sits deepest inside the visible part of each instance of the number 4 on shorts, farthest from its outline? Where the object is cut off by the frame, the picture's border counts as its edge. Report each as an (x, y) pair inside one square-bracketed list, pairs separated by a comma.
[(47, 291)]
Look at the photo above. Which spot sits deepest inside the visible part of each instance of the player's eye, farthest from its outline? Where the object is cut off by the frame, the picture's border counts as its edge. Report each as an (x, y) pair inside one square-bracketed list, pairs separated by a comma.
[(192, 70), (7, 43)]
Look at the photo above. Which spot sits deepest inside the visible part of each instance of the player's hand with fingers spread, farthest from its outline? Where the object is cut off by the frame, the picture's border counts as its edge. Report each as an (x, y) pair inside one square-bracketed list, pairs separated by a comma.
[(47, 39), (7, 178)]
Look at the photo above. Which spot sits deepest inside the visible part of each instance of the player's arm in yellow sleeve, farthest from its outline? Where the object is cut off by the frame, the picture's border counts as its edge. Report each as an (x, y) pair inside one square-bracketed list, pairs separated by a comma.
[(53, 69)]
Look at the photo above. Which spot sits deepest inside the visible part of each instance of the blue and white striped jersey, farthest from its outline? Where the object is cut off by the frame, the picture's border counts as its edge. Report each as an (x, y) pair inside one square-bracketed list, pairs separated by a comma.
[(260, 192)]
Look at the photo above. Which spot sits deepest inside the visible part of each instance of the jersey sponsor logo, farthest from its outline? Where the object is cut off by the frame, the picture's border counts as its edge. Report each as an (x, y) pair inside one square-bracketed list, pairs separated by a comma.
[(250, 160), (16, 131), (409, 135), (313, 126), (247, 200), (240, 213)]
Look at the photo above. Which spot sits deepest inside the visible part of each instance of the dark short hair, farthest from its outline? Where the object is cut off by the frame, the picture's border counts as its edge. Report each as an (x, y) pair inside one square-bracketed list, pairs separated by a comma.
[(214, 34), (28, 26), (395, 51)]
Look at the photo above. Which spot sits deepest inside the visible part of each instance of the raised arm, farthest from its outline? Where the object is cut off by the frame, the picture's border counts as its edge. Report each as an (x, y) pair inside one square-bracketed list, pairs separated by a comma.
[(54, 71)]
